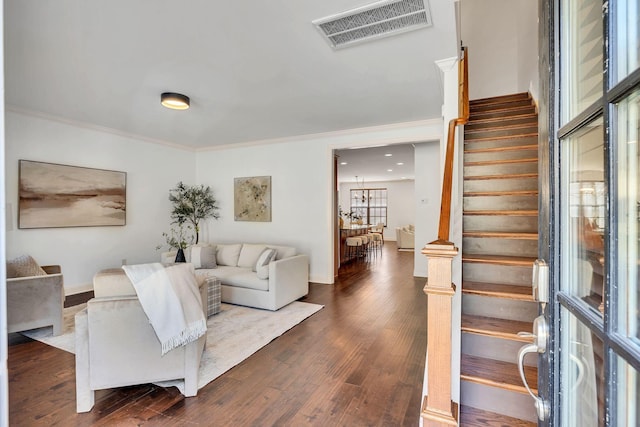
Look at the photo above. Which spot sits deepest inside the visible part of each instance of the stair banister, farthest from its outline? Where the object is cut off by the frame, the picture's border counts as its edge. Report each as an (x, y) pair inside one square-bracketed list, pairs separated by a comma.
[(438, 408)]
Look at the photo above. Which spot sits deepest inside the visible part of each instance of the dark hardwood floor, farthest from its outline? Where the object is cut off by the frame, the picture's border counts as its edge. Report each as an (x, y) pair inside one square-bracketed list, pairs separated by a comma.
[(357, 362)]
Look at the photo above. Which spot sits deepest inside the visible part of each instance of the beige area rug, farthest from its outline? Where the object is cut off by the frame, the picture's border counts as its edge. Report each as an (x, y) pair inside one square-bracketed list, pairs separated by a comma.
[(233, 335)]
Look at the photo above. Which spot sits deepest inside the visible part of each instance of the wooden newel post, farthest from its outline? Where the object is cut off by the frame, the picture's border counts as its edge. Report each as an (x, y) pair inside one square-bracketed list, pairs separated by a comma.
[(438, 409)]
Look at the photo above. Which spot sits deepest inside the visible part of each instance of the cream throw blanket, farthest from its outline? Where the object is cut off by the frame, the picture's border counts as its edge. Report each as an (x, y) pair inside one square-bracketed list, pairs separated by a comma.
[(171, 300)]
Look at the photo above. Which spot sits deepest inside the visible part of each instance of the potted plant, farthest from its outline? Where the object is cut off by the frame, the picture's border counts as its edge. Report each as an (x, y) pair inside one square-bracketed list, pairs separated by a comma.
[(179, 237), (192, 204)]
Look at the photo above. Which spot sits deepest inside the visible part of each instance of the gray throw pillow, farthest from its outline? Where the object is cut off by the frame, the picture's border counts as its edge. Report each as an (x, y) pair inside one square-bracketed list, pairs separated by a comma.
[(262, 265), (201, 256)]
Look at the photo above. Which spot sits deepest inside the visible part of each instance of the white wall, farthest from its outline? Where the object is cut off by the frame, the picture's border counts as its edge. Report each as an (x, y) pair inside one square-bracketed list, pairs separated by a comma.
[(300, 183), (152, 169), (427, 193), (528, 76), (502, 40), (301, 173), (400, 203)]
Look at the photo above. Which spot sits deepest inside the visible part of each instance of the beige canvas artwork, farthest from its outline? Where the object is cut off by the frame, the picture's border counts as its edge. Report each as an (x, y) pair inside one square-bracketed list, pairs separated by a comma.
[(53, 195), (252, 199)]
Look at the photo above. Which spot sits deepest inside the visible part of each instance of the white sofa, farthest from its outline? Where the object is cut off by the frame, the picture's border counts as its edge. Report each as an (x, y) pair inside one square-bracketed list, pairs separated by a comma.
[(287, 281), (405, 237), (116, 345)]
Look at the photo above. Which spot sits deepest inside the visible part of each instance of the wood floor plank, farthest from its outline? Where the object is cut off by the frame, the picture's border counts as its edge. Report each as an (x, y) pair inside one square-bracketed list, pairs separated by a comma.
[(473, 417), (360, 359)]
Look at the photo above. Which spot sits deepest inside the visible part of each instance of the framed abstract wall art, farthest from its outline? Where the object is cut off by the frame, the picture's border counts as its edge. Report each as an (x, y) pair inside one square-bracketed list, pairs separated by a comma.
[(53, 195), (252, 199)]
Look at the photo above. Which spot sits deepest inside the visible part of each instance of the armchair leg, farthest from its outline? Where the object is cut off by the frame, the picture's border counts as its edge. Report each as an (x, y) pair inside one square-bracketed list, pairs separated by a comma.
[(85, 397), (57, 326)]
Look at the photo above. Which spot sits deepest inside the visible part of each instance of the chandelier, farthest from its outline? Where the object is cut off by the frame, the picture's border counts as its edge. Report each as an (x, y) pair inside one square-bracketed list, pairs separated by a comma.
[(360, 186)]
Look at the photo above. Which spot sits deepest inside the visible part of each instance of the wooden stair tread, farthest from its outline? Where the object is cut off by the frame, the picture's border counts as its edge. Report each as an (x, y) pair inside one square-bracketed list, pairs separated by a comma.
[(523, 212), (514, 126), (498, 290), (496, 373), (498, 328), (501, 162), (502, 176), (518, 95), (501, 193), (501, 234), (474, 121), (518, 261), (474, 417), (505, 104), (507, 112), (502, 149), (497, 138)]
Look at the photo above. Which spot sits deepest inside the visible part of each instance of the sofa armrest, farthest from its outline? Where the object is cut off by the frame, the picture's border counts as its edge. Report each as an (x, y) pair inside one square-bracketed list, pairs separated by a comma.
[(289, 279)]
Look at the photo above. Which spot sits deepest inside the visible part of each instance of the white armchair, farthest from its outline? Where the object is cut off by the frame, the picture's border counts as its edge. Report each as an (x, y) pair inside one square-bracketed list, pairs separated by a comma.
[(405, 238), (116, 345), (36, 301)]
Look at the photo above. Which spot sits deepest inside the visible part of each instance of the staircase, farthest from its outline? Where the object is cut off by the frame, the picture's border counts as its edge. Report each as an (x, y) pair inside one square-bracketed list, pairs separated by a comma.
[(499, 245)]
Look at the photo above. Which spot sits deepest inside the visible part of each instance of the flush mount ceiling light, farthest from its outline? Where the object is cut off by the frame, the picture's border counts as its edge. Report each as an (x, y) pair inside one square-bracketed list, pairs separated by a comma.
[(175, 101)]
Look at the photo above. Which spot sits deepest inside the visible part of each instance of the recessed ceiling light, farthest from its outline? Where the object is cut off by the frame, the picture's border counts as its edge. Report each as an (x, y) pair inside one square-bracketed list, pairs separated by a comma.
[(404, 177), (174, 101), (399, 163), (389, 170), (343, 163), (388, 155)]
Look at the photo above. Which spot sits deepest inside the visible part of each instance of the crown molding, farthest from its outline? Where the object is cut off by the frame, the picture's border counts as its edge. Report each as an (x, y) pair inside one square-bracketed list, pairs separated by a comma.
[(334, 135), (288, 139), (94, 127)]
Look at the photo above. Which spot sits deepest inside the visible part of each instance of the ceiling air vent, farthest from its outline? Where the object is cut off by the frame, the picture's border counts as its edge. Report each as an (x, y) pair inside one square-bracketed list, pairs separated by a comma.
[(380, 19)]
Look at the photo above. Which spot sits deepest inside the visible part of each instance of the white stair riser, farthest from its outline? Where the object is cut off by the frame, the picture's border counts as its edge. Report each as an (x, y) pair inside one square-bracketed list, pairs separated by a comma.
[(501, 308), (488, 273), (494, 348), (478, 203), (499, 246), (525, 224), (499, 155), (506, 142), (513, 404), (497, 169)]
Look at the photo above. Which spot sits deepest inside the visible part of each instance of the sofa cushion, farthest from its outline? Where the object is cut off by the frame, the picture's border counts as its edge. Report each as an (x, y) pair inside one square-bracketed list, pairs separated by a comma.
[(201, 256), (24, 266), (283, 251), (236, 276), (249, 255), (262, 265), (245, 278), (228, 254)]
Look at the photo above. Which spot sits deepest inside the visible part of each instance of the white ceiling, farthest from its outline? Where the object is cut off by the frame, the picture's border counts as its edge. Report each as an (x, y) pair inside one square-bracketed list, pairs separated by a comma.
[(375, 164), (254, 70)]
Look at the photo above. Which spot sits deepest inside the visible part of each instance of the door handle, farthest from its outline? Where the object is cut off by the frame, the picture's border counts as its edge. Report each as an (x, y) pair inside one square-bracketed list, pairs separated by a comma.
[(539, 345)]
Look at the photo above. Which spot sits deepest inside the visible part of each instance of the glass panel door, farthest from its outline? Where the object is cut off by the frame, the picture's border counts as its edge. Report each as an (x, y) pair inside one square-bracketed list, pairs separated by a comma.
[(594, 201)]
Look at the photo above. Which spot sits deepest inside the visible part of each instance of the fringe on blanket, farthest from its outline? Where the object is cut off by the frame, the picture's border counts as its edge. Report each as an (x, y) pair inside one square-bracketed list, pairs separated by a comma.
[(192, 332)]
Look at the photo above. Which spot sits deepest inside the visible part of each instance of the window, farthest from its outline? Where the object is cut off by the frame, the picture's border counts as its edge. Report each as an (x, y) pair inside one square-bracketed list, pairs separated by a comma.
[(370, 204)]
